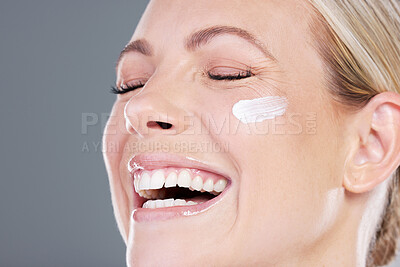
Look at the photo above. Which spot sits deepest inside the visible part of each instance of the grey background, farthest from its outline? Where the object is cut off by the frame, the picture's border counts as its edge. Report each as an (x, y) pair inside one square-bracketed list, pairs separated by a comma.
[(57, 63)]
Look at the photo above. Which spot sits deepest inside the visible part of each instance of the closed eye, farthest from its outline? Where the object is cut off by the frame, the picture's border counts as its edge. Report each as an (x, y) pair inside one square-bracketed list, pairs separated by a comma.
[(214, 76), (125, 89), (233, 76)]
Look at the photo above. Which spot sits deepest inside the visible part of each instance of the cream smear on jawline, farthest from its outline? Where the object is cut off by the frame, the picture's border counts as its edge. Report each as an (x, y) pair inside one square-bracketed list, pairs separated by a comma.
[(260, 109)]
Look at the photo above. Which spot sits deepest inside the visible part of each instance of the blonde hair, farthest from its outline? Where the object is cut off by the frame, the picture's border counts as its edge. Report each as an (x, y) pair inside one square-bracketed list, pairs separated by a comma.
[(359, 41)]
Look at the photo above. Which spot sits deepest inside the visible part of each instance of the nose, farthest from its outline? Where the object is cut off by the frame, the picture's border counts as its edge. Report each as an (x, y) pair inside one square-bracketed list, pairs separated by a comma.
[(148, 114)]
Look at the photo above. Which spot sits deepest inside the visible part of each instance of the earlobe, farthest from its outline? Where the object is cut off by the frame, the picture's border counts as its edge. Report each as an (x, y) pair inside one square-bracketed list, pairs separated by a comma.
[(375, 153)]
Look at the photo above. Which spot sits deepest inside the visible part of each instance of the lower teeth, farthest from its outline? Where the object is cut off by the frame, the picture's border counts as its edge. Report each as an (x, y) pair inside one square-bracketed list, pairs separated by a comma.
[(163, 203)]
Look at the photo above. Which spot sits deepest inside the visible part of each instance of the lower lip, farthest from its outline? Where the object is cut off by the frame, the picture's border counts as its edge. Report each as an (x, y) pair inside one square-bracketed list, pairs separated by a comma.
[(162, 214)]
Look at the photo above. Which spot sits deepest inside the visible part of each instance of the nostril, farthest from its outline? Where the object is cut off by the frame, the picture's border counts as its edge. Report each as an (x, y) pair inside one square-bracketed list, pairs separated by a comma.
[(156, 124), (164, 125)]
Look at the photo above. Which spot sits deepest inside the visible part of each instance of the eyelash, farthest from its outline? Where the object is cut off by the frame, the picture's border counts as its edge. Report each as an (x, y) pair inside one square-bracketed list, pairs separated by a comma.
[(126, 89), (217, 77), (239, 76)]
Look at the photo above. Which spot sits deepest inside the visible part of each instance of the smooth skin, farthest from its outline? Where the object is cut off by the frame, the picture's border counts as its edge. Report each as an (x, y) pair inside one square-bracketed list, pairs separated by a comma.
[(298, 191)]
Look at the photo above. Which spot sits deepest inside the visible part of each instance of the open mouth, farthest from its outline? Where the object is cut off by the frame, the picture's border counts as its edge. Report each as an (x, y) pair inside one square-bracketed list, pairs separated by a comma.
[(172, 187)]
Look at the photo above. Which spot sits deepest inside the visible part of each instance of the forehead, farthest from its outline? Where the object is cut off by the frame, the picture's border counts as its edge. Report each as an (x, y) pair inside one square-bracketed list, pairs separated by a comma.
[(172, 20)]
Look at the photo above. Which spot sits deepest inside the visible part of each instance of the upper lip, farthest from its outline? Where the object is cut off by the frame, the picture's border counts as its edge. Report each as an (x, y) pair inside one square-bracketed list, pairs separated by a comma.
[(151, 161)]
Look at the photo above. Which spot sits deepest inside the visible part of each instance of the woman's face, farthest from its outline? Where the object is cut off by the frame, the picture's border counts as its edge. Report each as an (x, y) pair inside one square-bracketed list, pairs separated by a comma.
[(281, 173)]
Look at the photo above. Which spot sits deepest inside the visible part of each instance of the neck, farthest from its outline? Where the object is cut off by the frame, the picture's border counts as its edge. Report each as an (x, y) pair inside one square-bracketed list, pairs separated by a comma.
[(347, 241), (337, 248)]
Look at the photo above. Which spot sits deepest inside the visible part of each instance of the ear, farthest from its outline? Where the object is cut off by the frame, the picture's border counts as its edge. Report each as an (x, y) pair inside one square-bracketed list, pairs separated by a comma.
[(375, 151)]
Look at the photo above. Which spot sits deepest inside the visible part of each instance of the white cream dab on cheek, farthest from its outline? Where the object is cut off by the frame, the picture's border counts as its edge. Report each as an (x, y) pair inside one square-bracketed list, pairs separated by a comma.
[(260, 109)]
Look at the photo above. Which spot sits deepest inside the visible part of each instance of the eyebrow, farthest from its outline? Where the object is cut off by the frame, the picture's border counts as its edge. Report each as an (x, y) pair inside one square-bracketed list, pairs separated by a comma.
[(197, 39), (141, 46)]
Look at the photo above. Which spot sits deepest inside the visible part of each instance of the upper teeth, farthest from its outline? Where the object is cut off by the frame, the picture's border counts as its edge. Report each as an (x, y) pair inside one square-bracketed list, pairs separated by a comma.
[(158, 179)]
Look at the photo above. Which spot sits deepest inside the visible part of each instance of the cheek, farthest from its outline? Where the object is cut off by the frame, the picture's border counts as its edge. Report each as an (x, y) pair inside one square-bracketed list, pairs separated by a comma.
[(114, 140), (286, 178)]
